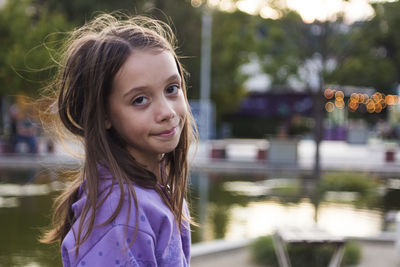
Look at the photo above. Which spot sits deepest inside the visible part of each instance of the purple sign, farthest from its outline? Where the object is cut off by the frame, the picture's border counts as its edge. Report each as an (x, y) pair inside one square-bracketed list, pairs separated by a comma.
[(277, 104)]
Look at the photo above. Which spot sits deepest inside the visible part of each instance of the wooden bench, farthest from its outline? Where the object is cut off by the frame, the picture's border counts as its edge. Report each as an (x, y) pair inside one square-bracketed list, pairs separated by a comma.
[(219, 148), (306, 236)]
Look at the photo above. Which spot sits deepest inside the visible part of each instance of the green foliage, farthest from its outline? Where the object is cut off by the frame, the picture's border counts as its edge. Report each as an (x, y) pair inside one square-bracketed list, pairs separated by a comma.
[(260, 127), (288, 194), (358, 50), (351, 182), (361, 71), (26, 30), (348, 181), (391, 200), (372, 45), (288, 190), (245, 127), (221, 202), (282, 46), (232, 42), (220, 215), (183, 18), (263, 253), (352, 254), (310, 255), (219, 196), (78, 11), (186, 21)]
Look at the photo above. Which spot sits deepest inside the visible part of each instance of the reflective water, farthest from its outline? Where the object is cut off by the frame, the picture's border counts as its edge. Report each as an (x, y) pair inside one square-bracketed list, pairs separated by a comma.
[(231, 206)]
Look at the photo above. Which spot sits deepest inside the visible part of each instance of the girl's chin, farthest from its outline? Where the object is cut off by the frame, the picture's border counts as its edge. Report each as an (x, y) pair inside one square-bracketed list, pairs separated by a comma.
[(168, 149)]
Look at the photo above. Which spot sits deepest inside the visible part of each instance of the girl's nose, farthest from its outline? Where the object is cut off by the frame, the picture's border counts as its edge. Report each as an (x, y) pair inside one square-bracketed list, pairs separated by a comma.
[(165, 111)]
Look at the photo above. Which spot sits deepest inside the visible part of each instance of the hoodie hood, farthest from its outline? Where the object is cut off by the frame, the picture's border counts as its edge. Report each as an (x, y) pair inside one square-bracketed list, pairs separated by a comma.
[(105, 182)]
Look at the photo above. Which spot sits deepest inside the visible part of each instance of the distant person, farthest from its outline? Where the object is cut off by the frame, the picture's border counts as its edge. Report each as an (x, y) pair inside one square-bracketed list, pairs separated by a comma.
[(122, 91), (282, 132), (13, 118), (27, 131)]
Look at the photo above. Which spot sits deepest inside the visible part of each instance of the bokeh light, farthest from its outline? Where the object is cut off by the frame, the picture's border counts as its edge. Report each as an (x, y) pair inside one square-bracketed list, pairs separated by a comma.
[(329, 106), (196, 3), (382, 102), (339, 95), (376, 97), (212, 3), (339, 103), (396, 99), (370, 105), (361, 98), (329, 93), (373, 104), (227, 6), (378, 108), (389, 100), (353, 105), (355, 97), (366, 98)]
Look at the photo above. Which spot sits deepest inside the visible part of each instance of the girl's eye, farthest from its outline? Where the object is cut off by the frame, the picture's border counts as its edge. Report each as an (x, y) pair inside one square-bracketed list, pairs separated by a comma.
[(140, 101), (173, 89)]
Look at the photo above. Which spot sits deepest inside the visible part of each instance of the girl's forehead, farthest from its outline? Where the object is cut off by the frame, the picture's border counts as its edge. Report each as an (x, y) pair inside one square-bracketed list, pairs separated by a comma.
[(149, 50), (146, 59), (146, 67)]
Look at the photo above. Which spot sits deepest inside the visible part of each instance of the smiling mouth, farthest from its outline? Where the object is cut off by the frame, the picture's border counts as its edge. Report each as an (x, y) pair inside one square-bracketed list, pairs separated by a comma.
[(167, 133)]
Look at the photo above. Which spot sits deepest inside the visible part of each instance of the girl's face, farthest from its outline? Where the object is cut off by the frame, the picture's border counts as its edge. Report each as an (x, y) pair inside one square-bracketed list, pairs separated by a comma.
[(147, 106)]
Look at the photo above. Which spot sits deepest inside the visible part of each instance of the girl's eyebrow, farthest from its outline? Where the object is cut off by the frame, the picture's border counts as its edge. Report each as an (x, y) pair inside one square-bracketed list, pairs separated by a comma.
[(131, 91), (172, 78)]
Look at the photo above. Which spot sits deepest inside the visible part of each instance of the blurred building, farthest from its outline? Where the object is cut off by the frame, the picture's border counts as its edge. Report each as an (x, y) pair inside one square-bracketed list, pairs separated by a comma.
[(283, 109)]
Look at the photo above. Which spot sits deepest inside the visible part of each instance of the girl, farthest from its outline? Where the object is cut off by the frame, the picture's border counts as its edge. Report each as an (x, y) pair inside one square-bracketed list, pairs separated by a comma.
[(122, 92)]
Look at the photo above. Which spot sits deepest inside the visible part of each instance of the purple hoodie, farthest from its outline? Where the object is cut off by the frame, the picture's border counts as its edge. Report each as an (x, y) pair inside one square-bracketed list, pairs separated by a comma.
[(158, 241)]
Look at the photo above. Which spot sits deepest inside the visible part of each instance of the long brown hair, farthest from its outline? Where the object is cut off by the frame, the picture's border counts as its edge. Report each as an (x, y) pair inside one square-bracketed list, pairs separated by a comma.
[(93, 55)]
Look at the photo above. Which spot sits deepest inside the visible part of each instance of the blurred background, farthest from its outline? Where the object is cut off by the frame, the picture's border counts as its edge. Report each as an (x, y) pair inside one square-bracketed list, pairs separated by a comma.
[(297, 104)]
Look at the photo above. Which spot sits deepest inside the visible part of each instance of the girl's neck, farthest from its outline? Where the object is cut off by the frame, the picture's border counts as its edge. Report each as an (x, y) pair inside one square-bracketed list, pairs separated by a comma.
[(150, 162), (154, 167)]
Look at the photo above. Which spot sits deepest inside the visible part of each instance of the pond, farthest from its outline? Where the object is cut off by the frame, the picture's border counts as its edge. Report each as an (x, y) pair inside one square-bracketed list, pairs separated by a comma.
[(231, 206)]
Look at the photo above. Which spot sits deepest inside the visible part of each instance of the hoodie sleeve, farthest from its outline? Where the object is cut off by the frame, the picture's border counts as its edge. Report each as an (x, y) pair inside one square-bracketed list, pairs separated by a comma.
[(115, 248)]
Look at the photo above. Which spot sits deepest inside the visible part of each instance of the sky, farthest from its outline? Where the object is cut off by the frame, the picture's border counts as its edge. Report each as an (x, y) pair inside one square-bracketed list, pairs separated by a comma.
[(309, 10), (325, 9)]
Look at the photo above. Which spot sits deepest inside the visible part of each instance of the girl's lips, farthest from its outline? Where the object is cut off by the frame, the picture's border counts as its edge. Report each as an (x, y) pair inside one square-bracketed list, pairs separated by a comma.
[(167, 133)]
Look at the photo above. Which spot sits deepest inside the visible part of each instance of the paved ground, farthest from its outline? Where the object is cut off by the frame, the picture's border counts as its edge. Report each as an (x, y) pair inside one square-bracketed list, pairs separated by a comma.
[(234, 258), (378, 254), (241, 155), (374, 254)]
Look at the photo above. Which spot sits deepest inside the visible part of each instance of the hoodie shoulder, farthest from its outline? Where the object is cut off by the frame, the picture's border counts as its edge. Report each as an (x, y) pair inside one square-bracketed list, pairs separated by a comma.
[(152, 218)]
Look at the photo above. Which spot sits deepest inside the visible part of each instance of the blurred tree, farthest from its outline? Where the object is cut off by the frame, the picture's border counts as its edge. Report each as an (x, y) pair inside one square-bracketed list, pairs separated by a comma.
[(282, 46), (289, 49), (363, 54), (78, 11), (373, 59), (233, 40), (186, 22), (184, 19), (25, 40)]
